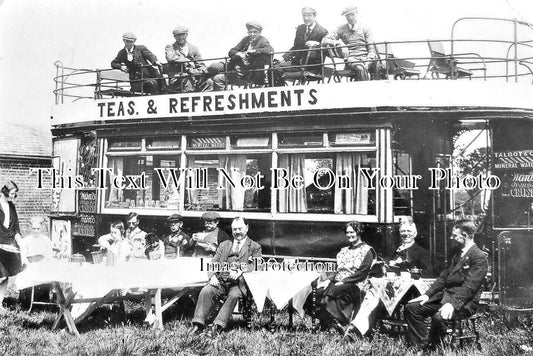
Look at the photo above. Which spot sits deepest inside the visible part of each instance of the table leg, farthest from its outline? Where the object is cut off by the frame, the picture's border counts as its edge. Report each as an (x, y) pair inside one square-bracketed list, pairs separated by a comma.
[(290, 310), (64, 305), (313, 307), (158, 310)]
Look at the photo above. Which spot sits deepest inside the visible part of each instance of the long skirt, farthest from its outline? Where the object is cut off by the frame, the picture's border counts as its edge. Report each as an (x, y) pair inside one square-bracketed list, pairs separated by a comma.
[(342, 302), (10, 263)]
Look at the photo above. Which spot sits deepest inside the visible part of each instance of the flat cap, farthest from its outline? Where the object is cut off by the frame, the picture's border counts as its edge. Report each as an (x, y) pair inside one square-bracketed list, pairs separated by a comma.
[(210, 215), (129, 36), (174, 217), (348, 9), (253, 24), (179, 30), (308, 10)]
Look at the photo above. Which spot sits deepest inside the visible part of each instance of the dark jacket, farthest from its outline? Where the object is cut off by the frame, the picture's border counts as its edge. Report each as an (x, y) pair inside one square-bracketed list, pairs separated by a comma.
[(141, 57), (414, 256), (7, 235), (224, 250), (317, 34), (258, 59), (460, 284)]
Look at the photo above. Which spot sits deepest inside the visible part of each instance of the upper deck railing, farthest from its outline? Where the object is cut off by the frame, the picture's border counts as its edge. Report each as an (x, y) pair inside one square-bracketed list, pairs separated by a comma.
[(447, 59)]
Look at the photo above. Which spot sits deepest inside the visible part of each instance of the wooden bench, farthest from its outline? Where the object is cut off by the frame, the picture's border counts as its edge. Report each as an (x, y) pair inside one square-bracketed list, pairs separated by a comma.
[(113, 83)]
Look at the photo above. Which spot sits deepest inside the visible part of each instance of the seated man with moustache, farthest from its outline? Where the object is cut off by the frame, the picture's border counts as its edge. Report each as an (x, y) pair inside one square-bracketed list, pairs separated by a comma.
[(410, 255), (230, 284)]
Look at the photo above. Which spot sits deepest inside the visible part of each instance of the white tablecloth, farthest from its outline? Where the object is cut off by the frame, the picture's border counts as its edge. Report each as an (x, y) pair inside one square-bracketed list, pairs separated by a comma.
[(97, 280), (280, 287)]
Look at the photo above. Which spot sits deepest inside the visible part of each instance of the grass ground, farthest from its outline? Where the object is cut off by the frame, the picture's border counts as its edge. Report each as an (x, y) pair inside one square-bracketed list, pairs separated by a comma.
[(115, 332)]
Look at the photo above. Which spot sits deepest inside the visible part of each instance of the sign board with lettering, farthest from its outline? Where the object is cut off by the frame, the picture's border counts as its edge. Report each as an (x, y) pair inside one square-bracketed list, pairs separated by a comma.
[(84, 226), (514, 200), (87, 201)]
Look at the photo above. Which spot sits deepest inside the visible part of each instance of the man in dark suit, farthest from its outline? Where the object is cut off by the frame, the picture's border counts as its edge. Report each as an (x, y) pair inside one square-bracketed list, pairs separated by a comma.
[(141, 64), (455, 293), (247, 59), (224, 283), (410, 255), (206, 242), (308, 36)]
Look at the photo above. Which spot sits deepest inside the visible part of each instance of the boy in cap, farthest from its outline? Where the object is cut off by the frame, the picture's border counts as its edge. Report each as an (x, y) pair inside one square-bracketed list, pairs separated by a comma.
[(247, 58), (178, 243), (141, 64), (186, 59), (212, 236), (308, 35), (359, 41)]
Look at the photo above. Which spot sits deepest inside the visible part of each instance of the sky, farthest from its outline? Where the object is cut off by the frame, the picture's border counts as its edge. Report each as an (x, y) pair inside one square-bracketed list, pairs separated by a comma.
[(87, 33)]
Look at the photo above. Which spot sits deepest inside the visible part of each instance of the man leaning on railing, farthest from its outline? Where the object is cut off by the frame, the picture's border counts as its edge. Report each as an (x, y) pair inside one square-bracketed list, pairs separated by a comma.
[(187, 71), (141, 65), (360, 49), (308, 36)]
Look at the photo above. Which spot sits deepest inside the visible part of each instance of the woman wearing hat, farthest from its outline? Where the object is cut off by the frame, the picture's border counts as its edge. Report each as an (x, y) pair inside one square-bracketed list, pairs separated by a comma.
[(247, 59), (10, 239)]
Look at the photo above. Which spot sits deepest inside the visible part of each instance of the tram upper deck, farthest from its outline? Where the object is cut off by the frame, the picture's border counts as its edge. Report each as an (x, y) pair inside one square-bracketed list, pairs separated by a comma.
[(466, 75)]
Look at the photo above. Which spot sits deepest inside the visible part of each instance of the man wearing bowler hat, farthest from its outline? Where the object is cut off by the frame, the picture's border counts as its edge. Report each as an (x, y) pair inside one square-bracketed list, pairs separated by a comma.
[(212, 236), (141, 65), (187, 71), (309, 35), (247, 59), (360, 49), (178, 243)]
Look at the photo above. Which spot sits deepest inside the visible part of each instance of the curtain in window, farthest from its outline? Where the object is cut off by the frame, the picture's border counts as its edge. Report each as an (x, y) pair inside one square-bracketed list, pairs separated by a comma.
[(235, 166), (292, 200), (352, 200), (192, 196), (117, 166)]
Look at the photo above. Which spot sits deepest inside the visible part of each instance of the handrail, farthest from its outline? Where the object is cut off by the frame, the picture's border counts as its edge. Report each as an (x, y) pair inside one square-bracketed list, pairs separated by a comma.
[(70, 81)]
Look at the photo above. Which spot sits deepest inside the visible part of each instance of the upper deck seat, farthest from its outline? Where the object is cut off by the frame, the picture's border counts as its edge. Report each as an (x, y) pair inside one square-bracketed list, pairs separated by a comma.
[(114, 83), (398, 67), (441, 63), (305, 73), (374, 70)]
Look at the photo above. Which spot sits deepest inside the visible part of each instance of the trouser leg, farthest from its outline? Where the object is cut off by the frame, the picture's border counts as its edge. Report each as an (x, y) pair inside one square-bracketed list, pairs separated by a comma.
[(222, 319), (209, 295), (415, 315)]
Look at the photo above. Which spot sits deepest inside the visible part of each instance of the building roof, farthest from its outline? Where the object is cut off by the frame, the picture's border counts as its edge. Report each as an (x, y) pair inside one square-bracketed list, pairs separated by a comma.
[(25, 140)]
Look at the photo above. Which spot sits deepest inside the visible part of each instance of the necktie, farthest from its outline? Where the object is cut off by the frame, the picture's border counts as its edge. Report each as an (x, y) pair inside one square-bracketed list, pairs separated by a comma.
[(308, 32), (236, 247)]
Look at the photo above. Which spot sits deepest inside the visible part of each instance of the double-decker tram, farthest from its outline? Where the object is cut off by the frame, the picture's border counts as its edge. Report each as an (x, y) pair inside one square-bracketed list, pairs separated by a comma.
[(302, 152)]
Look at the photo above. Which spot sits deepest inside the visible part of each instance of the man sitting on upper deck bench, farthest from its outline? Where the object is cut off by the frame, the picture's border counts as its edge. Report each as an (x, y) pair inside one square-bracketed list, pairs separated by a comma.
[(360, 44), (139, 62)]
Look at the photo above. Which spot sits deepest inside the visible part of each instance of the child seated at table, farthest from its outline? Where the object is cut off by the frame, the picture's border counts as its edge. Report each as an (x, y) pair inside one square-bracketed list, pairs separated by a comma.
[(155, 248)]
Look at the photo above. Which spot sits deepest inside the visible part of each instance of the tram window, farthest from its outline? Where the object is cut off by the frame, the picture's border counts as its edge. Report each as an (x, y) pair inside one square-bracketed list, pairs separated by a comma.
[(159, 190), (162, 144), (250, 142), (206, 142), (207, 173), (116, 145), (332, 183), (352, 138), (300, 140)]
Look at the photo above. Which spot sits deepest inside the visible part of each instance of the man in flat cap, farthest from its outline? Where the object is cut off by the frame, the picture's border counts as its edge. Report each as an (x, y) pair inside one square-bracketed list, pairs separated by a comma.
[(212, 236), (358, 39), (187, 70), (247, 59), (178, 243), (309, 35), (141, 65)]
